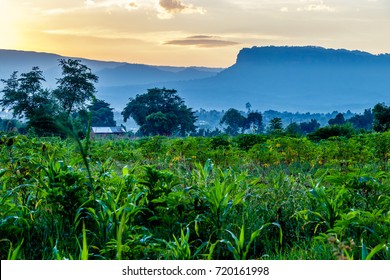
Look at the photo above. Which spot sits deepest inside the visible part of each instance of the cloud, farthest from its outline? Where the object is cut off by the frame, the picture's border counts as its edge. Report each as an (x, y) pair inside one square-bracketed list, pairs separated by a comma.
[(201, 41), (163, 9), (172, 5), (167, 8), (284, 9), (317, 6), (129, 5), (92, 4)]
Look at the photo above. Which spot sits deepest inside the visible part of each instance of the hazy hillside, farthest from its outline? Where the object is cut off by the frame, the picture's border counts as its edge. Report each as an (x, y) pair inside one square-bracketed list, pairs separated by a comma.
[(303, 79), (23, 61), (138, 74), (111, 74), (296, 79)]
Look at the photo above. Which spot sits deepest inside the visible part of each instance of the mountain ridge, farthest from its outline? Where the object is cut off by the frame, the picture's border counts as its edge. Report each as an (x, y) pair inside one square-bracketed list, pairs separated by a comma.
[(23, 61), (283, 78)]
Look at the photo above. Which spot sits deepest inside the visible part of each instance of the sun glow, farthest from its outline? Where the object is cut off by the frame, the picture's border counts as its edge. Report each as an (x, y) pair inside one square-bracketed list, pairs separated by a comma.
[(8, 26), (188, 32)]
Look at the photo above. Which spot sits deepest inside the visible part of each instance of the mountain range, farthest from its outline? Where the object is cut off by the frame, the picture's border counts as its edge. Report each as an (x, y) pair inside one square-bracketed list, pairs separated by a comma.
[(295, 79)]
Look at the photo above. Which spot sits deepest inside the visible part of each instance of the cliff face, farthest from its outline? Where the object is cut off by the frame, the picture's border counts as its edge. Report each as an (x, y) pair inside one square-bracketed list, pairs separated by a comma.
[(307, 56), (304, 79)]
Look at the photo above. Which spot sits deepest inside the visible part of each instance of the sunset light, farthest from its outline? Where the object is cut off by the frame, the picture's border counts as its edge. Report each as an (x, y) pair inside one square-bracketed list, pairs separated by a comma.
[(189, 32)]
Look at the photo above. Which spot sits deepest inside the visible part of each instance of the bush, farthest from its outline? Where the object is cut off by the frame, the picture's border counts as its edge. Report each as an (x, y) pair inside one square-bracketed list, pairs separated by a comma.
[(220, 141), (247, 141), (326, 132)]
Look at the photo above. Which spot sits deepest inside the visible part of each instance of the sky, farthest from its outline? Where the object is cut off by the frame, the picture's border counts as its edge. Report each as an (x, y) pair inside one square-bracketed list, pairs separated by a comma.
[(190, 32)]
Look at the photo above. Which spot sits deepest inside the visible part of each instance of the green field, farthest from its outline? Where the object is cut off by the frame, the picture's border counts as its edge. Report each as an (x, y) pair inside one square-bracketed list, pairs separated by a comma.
[(243, 197)]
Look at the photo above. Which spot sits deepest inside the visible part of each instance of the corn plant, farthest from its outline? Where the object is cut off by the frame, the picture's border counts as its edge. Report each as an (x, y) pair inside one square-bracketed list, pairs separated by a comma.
[(240, 247), (182, 248), (222, 195)]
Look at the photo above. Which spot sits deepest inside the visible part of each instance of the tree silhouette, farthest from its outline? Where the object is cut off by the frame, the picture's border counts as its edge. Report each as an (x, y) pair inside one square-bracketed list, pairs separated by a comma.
[(26, 97), (255, 121), (338, 119), (76, 86), (363, 121), (160, 111), (275, 125), (234, 121), (102, 114), (381, 114)]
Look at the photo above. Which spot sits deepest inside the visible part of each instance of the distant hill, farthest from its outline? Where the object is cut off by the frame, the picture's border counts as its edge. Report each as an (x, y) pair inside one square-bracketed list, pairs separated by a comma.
[(294, 79), (139, 74), (23, 61), (111, 74)]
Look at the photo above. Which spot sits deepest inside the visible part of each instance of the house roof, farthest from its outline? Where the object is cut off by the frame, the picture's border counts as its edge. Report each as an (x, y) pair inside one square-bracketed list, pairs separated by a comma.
[(107, 130)]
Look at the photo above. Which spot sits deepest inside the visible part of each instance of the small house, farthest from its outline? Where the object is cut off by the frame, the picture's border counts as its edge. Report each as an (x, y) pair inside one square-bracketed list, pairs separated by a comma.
[(106, 131)]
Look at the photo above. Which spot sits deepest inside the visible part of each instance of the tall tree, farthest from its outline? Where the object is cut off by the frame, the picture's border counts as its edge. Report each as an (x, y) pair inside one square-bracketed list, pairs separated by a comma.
[(234, 121), (255, 121), (309, 127), (275, 125), (248, 107), (363, 121), (76, 86), (102, 114), (293, 129), (160, 111), (338, 119), (26, 97), (381, 114)]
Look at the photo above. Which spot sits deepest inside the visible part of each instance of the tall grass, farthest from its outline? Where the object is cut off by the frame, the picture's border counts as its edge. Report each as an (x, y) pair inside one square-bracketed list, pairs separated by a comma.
[(194, 198)]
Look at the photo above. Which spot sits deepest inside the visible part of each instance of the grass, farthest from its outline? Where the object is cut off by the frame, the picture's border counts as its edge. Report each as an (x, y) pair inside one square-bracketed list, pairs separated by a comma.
[(194, 198)]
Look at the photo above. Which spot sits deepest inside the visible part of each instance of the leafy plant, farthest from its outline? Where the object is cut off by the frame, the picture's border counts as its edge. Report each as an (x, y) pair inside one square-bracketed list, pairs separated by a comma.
[(240, 247)]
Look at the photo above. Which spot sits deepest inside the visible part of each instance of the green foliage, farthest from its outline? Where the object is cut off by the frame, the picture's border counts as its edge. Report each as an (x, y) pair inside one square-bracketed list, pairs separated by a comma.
[(234, 121), (10, 125), (26, 97), (337, 120), (363, 121), (76, 86), (240, 248), (293, 129), (247, 141), (309, 127), (220, 141), (160, 111), (102, 114), (381, 114), (327, 132), (43, 108), (243, 197), (255, 122), (275, 126)]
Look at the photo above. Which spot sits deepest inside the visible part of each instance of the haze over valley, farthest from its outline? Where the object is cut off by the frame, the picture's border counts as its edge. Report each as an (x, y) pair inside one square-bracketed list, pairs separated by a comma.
[(294, 79)]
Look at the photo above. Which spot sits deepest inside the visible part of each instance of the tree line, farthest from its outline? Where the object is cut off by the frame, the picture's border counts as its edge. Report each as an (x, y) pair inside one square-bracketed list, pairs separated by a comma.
[(46, 111), (74, 103), (235, 122), (159, 111)]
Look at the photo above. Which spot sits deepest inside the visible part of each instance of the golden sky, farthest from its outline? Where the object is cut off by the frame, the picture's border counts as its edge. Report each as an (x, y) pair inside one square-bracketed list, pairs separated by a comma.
[(189, 32)]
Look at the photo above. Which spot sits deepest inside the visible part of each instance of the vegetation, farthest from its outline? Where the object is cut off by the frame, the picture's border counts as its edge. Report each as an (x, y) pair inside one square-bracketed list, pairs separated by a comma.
[(281, 195), (102, 114), (235, 122), (381, 114), (45, 110), (75, 87), (244, 197), (160, 111)]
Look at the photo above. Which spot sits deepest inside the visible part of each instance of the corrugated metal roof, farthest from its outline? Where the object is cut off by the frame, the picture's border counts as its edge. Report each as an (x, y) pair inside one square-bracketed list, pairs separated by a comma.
[(107, 130)]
